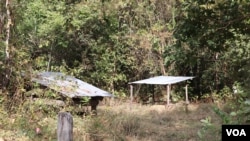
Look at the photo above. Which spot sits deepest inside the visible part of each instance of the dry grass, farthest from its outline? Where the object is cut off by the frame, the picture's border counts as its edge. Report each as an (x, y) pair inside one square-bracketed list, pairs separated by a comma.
[(153, 123), (124, 123)]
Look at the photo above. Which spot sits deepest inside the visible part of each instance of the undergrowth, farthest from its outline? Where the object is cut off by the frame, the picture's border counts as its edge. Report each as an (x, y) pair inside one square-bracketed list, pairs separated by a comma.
[(118, 123)]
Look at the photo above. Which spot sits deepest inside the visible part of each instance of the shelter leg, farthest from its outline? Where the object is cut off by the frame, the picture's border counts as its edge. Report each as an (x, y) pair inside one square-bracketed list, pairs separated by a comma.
[(186, 91), (94, 101), (153, 96), (168, 94), (131, 96)]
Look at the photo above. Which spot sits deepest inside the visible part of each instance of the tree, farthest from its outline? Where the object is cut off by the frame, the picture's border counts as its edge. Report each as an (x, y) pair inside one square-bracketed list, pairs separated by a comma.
[(203, 33)]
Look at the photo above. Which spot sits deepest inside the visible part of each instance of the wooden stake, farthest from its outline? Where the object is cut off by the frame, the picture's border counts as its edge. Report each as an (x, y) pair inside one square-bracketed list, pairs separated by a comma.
[(65, 127)]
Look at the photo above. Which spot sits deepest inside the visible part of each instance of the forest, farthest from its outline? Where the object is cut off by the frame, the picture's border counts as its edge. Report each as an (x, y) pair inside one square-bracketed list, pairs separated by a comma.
[(109, 43)]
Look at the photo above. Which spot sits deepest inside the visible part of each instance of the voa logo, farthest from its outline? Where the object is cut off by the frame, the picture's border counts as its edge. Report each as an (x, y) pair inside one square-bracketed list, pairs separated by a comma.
[(236, 132)]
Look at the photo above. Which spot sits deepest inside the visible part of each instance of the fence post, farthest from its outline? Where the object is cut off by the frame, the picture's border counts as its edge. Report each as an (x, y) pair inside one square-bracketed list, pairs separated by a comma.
[(65, 127)]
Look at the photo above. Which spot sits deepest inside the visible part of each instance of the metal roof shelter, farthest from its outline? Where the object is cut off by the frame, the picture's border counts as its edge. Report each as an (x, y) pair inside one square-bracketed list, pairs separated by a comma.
[(68, 85), (162, 80)]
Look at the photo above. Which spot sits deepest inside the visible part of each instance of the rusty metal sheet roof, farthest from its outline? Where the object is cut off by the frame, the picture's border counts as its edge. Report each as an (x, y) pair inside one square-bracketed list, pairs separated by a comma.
[(163, 80), (68, 85)]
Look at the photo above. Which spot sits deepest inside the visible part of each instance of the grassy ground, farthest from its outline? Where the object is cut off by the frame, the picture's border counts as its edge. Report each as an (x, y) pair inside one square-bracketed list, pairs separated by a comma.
[(121, 122)]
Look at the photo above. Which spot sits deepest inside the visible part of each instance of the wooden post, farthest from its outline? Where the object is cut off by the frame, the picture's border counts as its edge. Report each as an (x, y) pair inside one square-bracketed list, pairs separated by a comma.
[(168, 93), (131, 96), (153, 96), (65, 127), (186, 90), (94, 101)]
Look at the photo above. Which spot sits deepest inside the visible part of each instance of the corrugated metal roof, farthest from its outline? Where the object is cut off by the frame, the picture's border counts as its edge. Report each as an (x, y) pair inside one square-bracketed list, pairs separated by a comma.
[(68, 85), (163, 80)]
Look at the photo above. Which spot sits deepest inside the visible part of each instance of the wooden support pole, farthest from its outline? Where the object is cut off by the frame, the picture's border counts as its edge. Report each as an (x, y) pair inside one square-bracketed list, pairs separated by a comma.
[(153, 96), (168, 94), (131, 96), (186, 90), (65, 127)]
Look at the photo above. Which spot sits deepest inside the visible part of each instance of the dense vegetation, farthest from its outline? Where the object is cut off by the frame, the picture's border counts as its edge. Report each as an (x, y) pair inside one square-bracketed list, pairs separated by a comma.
[(109, 43)]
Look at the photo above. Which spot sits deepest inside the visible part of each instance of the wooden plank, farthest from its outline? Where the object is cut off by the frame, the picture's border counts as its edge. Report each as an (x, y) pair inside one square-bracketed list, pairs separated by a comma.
[(65, 127)]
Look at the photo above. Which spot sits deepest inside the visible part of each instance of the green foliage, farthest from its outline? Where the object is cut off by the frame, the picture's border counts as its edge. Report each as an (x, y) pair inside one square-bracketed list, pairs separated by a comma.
[(85, 100), (226, 118), (226, 93), (50, 94), (206, 34), (110, 43), (39, 107), (27, 119), (98, 42), (237, 111), (207, 126), (245, 112), (176, 97)]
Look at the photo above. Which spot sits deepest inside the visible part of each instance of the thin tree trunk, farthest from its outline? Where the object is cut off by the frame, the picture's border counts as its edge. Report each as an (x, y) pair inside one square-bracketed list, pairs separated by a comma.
[(163, 70), (2, 17), (7, 68), (216, 72), (7, 48)]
